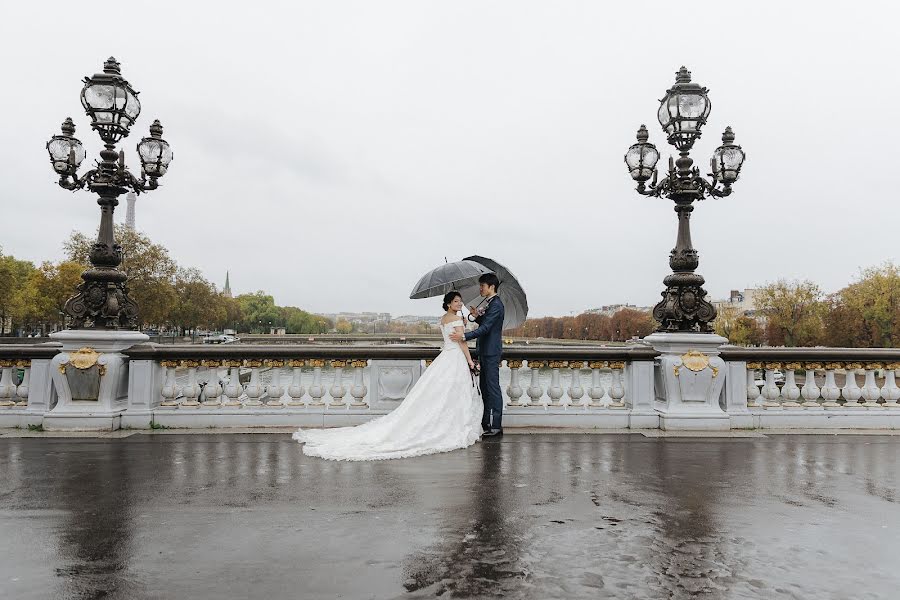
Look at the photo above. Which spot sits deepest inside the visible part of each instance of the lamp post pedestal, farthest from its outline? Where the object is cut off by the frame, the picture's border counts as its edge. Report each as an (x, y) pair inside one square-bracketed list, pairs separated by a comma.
[(690, 378), (90, 375)]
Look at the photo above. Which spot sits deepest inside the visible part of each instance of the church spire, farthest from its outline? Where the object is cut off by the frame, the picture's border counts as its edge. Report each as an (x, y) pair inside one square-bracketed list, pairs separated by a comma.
[(227, 291)]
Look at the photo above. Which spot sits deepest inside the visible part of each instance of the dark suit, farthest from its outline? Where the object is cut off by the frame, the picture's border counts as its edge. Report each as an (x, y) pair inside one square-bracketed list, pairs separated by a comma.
[(489, 348)]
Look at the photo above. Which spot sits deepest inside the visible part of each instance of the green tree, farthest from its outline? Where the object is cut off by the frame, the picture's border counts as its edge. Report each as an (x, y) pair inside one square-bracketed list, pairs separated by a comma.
[(48, 288), (258, 311), (198, 304), (794, 311), (14, 292)]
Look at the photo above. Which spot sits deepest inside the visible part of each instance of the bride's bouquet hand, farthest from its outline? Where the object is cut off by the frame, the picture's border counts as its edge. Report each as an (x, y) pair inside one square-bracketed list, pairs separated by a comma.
[(474, 367)]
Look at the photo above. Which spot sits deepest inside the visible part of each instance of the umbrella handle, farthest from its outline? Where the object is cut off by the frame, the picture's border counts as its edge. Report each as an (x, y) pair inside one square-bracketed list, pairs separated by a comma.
[(470, 317)]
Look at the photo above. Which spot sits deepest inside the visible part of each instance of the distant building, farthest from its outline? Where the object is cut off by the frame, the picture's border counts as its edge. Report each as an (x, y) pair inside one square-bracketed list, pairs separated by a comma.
[(227, 290), (611, 309), (413, 319), (277, 330), (358, 318), (744, 301)]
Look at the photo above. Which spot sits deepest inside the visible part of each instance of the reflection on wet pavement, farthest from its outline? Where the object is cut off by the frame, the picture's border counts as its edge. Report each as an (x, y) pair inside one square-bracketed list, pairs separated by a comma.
[(528, 516)]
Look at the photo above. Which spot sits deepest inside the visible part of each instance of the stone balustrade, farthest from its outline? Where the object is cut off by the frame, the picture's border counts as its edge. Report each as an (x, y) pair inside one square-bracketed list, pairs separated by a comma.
[(26, 392), (812, 386), (580, 386), (302, 384)]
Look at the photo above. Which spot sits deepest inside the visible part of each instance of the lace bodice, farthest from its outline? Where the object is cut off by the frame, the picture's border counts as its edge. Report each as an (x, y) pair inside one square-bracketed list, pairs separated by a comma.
[(447, 329)]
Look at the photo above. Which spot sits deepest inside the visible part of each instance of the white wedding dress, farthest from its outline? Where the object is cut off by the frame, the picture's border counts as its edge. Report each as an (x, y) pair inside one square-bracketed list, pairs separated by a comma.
[(442, 412)]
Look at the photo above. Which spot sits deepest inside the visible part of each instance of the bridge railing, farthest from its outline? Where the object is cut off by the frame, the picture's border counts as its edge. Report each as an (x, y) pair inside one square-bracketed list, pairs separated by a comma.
[(190, 385), (26, 392), (185, 385), (806, 380)]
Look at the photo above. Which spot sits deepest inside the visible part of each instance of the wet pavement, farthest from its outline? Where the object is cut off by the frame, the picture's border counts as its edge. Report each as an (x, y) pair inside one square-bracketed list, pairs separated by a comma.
[(527, 516)]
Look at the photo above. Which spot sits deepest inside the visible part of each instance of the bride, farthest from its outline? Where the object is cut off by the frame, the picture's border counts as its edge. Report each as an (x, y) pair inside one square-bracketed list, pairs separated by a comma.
[(442, 412)]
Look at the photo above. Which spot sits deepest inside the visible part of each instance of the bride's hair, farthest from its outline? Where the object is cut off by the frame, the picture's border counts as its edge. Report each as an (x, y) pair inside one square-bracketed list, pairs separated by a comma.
[(449, 297)]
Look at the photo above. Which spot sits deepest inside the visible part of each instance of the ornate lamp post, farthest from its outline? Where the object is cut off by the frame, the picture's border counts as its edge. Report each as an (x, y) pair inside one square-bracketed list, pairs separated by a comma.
[(102, 301), (682, 113)]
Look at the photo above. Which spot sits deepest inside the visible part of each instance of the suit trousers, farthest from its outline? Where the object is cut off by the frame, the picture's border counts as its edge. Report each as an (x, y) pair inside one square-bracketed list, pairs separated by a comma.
[(490, 393)]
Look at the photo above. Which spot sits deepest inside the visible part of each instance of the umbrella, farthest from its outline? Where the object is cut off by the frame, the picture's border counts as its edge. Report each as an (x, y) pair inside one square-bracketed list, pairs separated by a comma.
[(447, 277), (515, 302)]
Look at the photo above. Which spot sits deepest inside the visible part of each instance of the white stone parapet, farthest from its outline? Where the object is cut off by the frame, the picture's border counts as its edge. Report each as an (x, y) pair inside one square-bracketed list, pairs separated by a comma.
[(668, 382)]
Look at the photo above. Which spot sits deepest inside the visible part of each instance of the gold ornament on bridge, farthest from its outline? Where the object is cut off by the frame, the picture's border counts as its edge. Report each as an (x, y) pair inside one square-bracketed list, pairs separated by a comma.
[(295, 363), (514, 364), (814, 366), (617, 365), (793, 366), (694, 360), (598, 364), (359, 364), (558, 364), (85, 358)]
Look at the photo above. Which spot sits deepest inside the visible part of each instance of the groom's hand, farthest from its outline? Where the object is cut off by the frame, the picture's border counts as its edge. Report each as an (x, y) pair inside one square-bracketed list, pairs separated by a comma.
[(473, 311), (457, 337)]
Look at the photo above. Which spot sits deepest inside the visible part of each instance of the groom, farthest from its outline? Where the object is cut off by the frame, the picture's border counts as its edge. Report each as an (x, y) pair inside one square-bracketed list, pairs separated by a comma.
[(488, 347)]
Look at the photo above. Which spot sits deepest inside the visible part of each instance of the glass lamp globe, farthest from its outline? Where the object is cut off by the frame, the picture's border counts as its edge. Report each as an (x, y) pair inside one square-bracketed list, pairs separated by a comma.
[(641, 157), (66, 151), (155, 152), (683, 111), (727, 159), (110, 102)]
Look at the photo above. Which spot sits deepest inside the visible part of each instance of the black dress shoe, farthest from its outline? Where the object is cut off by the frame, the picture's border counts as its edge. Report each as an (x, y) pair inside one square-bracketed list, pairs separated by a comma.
[(492, 433)]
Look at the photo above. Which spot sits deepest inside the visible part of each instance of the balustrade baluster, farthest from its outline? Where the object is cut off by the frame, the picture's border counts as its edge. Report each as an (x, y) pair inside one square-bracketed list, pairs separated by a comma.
[(791, 391), (870, 390), (851, 391), (576, 392), (213, 389), (338, 390), (274, 391), (359, 390), (770, 390), (535, 390), (7, 385), (234, 389), (597, 391), (617, 389), (317, 390), (555, 391), (24, 387), (889, 391), (811, 391), (191, 389), (753, 394), (830, 391), (254, 389), (170, 389), (514, 392), (296, 390)]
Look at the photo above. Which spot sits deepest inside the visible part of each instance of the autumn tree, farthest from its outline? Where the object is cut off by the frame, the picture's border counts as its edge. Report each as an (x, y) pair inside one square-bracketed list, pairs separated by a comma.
[(794, 311), (866, 313)]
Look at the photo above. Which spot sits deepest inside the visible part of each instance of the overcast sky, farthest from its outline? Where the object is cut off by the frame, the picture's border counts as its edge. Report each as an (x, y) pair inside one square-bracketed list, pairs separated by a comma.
[(332, 152)]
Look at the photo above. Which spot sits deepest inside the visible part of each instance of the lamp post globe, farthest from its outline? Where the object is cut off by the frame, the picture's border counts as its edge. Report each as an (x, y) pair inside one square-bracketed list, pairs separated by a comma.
[(110, 102), (66, 151), (682, 113)]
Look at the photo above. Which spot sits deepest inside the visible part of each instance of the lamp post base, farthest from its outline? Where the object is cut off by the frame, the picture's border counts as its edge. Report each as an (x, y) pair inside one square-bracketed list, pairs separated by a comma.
[(90, 375), (689, 377)]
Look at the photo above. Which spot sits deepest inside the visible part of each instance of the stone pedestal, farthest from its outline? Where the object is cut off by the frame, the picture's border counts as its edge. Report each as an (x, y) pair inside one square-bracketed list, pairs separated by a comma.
[(90, 375), (689, 378)]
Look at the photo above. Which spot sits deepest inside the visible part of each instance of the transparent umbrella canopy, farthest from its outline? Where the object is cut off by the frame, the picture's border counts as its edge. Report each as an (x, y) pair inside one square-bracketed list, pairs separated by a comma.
[(450, 276)]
